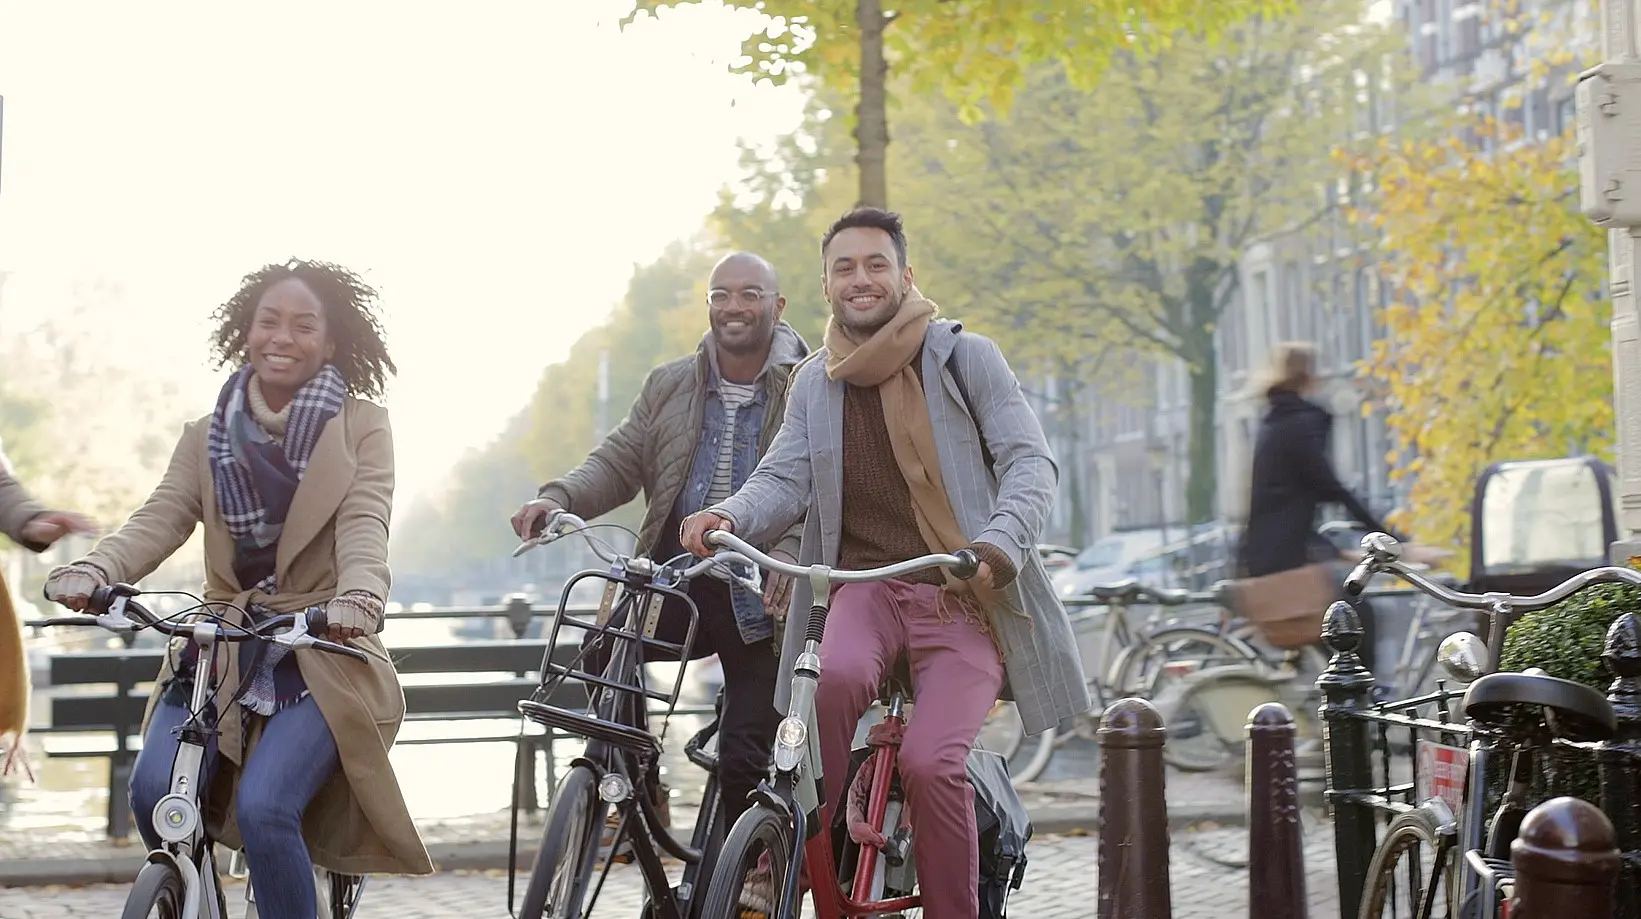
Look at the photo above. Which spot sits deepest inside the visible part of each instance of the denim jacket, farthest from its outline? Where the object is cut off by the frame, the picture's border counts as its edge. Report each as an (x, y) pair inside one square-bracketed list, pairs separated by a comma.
[(750, 616), (667, 446)]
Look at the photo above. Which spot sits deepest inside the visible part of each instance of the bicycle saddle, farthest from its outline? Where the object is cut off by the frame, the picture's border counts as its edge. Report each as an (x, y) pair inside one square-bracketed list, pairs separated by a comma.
[(899, 679), (1576, 712), (1125, 591)]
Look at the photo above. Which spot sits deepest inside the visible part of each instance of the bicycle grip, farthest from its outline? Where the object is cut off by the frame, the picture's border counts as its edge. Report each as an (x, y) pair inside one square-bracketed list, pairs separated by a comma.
[(1359, 577), (968, 564), (318, 620)]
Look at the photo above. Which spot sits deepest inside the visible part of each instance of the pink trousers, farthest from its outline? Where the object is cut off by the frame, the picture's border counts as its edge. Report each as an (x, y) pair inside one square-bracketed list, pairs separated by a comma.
[(956, 674)]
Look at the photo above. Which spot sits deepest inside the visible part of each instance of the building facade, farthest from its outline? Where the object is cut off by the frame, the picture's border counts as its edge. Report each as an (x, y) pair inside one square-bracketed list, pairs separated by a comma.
[(1123, 448)]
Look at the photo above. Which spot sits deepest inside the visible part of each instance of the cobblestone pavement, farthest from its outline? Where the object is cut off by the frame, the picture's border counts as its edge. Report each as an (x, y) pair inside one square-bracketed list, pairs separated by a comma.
[(1207, 874), (1058, 806)]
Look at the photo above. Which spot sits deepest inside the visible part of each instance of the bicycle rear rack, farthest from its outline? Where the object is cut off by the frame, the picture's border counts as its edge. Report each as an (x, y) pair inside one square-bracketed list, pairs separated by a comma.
[(613, 622)]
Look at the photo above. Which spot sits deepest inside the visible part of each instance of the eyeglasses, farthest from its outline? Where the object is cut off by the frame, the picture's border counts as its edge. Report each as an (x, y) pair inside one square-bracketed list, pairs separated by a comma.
[(750, 296)]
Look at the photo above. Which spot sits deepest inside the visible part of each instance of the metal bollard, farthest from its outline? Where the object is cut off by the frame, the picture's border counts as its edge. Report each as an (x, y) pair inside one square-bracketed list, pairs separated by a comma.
[(1620, 757), (1347, 688), (1133, 855), (1565, 862), (1276, 866)]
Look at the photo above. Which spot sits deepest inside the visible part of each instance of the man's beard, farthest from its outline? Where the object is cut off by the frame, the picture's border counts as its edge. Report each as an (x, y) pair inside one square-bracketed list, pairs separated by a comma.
[(855, 323), (760, 334)]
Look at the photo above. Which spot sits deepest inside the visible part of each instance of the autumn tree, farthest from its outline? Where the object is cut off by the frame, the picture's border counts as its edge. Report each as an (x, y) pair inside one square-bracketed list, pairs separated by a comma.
[(1121, 215), (1496, 343), (974, 54)]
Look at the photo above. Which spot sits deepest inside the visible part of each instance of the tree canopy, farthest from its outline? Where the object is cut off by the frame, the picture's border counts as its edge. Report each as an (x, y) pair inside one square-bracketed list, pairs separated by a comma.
[(1496, 340)]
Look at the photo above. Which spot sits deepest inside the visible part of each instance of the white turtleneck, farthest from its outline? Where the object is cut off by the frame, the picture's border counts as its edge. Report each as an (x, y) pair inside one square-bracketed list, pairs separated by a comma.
[(271, 421)]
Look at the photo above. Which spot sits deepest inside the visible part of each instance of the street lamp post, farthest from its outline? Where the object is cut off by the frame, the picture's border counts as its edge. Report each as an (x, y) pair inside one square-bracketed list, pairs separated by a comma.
[(1609, 114), (1157, 453)]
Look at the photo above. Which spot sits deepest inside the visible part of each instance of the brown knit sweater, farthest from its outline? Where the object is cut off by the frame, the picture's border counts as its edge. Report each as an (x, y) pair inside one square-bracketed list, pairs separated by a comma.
[(879, 526)]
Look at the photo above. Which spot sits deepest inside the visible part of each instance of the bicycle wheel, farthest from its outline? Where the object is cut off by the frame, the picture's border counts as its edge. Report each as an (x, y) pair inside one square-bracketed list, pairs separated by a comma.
[(1155, 667), (564, 863), (1004, 734), (1430, 872), (157, 893), (751, 869)]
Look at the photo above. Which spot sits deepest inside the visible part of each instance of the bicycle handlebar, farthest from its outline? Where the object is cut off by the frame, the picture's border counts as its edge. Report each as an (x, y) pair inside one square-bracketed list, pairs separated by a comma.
[(559, 524), (113, 608), (1383, 553), (963, 563)]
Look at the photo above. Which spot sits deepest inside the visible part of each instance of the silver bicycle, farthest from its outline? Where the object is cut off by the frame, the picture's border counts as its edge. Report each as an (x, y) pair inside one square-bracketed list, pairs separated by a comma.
[(179, 879), (777, 838)]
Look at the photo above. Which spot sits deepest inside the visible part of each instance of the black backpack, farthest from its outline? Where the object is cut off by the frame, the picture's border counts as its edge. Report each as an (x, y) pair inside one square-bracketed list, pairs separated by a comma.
[(1001, 821)]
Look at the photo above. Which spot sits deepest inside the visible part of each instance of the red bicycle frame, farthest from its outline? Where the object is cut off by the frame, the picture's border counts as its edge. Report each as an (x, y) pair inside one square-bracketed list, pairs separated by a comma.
[(830, 901)]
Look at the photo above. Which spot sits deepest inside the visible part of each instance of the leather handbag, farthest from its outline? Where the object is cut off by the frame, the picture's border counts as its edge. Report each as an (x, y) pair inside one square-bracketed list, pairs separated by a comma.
[(1287, 607)]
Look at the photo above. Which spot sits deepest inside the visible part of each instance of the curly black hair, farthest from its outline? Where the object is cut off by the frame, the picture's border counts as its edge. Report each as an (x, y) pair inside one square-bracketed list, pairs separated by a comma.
[(350, 318)]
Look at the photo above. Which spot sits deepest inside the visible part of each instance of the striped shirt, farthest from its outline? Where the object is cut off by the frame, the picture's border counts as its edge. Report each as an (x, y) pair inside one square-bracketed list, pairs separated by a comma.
[(733, 396)]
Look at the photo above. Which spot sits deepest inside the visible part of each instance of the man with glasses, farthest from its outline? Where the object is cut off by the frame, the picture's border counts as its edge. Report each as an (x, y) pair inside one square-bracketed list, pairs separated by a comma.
[(693, 435)]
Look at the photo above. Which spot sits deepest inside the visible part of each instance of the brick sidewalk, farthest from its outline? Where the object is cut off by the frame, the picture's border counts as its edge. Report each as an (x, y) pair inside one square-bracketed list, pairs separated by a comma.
[(1061, 883), (480, 842)]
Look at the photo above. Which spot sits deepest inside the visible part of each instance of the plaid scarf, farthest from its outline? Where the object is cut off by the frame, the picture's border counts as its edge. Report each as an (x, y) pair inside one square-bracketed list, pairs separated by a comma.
[(255, 481)]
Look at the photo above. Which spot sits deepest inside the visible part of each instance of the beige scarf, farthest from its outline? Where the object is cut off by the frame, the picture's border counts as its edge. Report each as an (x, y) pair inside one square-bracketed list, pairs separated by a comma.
[(884, 360)]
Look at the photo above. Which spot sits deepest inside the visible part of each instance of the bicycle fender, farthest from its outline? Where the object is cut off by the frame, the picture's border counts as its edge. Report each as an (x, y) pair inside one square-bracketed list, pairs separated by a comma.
[(1441, 815)]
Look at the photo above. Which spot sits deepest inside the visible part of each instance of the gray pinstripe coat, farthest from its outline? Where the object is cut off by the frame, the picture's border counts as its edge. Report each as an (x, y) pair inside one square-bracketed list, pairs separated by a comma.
[(801, 477)]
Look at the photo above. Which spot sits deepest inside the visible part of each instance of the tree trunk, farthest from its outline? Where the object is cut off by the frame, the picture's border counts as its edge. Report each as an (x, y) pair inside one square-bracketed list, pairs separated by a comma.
[(871, 109), (1075, 464), (1200, 489)]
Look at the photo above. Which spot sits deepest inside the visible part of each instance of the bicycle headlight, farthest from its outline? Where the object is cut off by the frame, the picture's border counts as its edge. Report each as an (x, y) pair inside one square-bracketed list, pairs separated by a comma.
[(614, 788), (791, 743), (175, 818)]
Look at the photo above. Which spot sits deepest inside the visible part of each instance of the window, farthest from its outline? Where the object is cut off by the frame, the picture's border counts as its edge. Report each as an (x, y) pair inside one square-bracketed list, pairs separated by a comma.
[(1233, 341), (1355, 319), (1258, 313), (1296, 324)]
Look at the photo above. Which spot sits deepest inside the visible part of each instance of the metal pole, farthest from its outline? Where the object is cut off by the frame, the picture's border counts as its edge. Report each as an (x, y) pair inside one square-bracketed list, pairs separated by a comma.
[(1619, 44), (1565, 862), (1133, 851), (1618, 757), (1347, 688), (1276, 865)]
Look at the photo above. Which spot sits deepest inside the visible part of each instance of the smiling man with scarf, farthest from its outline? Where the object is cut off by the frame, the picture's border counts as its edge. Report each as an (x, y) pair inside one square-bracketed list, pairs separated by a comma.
[(907, 436)]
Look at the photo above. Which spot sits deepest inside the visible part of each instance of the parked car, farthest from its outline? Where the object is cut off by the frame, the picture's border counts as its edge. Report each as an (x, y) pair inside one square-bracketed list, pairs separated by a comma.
[(1056, 558), (1105, 561)]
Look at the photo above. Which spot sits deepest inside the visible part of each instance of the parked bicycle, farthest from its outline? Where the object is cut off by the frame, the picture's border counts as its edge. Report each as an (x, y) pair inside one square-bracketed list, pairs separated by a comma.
[(621, 748), (1432, 861), (776, 841), (1114, 671), (179, 880)]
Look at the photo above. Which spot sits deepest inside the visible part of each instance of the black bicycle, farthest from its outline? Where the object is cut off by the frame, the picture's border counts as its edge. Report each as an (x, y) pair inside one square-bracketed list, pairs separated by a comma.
[(621, 749), (1450, 858)]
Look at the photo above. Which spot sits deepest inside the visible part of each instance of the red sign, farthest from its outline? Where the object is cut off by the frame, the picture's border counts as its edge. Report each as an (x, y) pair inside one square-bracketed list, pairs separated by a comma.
[(1439, 772)]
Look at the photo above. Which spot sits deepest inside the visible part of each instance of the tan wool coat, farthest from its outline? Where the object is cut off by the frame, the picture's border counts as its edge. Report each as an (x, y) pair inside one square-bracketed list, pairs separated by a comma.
[(334, 541)]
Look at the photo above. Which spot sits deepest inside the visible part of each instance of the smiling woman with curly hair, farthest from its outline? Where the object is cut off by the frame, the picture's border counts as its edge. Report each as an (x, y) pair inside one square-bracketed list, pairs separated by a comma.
[(292, 475)]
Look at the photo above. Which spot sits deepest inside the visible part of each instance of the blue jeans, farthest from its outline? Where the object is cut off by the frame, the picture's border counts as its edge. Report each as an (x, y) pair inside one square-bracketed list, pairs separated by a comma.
[(292, 761)]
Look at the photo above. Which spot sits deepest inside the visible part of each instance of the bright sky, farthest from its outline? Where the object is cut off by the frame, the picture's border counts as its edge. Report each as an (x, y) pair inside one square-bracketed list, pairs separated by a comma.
[(496, 169)]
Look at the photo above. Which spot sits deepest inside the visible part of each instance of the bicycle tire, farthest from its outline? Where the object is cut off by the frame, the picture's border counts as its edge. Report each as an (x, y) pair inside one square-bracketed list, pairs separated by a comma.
[(565, 842), (759, 826), (1122, 680), (708, 839), (1415, 827), (1127, 680), (1026, 757), (157, 893)]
